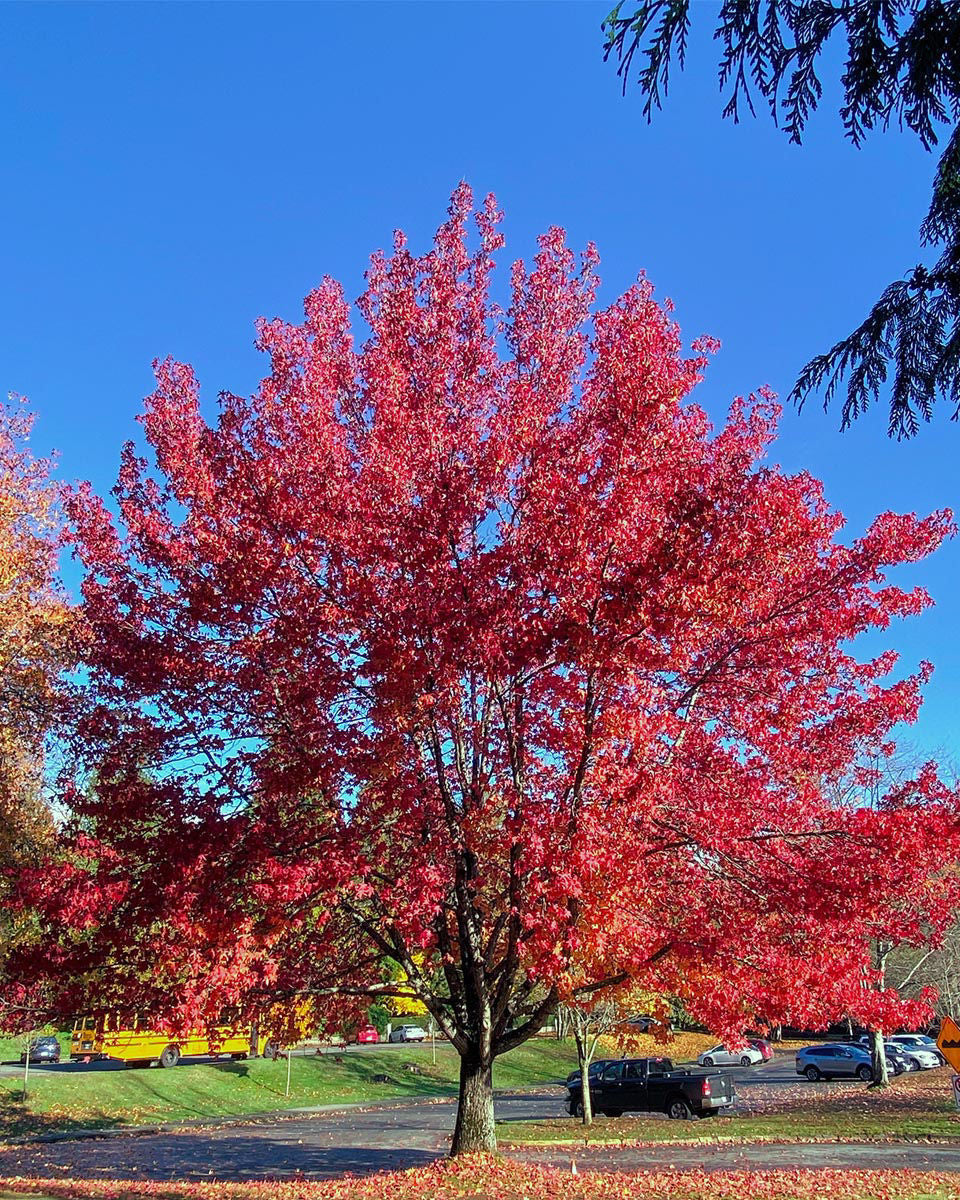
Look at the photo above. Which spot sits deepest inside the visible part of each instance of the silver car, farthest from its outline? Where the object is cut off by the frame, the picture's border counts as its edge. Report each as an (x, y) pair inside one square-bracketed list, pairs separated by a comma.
[(920, 1047), (720, 1056), (408, 1033), (836, 1060)]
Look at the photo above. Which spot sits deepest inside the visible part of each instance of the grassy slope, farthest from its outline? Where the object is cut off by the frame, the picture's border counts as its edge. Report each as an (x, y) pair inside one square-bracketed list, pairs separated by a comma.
[(107, 1098)]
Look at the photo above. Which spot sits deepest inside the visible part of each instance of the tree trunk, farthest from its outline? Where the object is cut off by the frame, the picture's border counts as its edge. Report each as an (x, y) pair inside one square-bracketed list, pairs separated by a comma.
[(585, 1083), (878, 1059), (474, 1131)]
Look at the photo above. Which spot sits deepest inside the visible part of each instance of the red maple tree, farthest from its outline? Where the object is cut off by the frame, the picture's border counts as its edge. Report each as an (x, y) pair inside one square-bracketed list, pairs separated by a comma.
[(477, 649)]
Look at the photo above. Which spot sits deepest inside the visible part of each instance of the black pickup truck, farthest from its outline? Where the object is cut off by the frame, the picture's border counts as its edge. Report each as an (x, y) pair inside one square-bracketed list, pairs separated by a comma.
[(653, 1085)]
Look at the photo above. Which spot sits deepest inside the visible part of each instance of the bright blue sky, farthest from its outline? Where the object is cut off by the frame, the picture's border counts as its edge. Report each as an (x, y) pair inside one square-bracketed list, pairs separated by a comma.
[(172, 171)]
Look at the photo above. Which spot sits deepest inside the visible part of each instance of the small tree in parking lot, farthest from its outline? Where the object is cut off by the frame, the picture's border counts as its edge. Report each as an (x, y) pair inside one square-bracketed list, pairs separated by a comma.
[(591, 1020)]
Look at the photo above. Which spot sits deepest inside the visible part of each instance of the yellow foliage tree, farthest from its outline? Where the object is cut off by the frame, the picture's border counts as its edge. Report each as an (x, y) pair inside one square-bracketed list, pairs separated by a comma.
[(406, 1004), (36, 632)]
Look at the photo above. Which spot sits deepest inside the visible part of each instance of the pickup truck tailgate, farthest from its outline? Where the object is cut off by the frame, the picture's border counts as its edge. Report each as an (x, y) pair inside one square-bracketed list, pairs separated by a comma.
[(721, 1090)]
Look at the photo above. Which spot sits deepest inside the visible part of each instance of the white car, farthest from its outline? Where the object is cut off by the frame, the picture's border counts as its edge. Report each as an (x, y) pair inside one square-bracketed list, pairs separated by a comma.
[(408, 1033), (919, 1046), (925, 1059), (720, 1056)]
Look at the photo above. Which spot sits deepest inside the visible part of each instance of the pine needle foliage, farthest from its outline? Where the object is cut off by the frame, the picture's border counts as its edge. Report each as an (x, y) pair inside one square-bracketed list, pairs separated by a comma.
[(901, 67)]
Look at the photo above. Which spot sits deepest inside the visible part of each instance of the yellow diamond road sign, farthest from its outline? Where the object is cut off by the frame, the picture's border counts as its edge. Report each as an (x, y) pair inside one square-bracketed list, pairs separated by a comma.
[(948, 1043)]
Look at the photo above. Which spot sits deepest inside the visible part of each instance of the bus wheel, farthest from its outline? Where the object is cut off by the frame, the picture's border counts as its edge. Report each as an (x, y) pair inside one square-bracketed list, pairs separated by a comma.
[(237, 1057), (170, 1056)]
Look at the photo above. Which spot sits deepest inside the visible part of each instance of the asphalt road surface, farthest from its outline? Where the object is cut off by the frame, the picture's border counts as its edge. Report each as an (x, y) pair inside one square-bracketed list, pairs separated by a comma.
[(391, 1136)]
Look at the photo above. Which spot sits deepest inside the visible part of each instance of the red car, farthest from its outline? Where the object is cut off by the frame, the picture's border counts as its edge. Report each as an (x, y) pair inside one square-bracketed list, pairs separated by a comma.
[(367, 1034), (763, 1046)]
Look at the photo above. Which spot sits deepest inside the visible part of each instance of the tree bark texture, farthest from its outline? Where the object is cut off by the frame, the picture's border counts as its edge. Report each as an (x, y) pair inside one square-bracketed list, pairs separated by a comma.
[(474, 1131), (878, 1059), (585, 1083)]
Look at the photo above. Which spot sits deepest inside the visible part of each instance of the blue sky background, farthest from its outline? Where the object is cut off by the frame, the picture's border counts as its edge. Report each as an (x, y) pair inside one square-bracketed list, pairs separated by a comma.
[(171, 171)]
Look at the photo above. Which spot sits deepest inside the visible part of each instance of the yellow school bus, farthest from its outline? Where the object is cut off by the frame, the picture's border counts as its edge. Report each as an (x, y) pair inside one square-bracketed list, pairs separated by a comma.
[(133, 1042)]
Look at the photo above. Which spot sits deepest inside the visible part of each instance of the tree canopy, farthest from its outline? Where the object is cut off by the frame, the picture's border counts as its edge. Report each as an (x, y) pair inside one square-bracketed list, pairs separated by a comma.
[(902, 66), (476, 650), (36, 639), (34, 627)]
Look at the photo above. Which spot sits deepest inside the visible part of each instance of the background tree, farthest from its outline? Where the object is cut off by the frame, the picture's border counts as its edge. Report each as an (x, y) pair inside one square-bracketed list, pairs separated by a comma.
[(902, 65), (870, 785), (476, 649), (35, 648), (916, 970), (593, 1020), (35, 635)]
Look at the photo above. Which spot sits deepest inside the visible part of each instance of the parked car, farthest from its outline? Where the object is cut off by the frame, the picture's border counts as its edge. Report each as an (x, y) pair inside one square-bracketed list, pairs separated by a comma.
[(647, 1024), (896, 1054), (836, 1060), (653, 1085), (367, 1034), (595, 1068), (763, 1046), (408, 1033), (920, 1058), (43, 1050), (899, 1057), (920, 1043), (720, 1056)]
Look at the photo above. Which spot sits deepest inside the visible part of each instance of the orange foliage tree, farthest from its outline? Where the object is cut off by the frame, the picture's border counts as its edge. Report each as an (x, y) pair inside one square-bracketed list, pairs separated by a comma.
[(34, 632)]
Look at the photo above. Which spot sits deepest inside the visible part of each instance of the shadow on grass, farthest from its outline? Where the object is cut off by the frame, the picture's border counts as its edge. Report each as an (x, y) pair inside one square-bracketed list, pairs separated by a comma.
[(349, 1077), (16, 1120)]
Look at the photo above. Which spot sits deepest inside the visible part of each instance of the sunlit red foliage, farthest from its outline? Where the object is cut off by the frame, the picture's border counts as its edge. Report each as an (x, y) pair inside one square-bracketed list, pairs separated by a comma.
[(476, 647)]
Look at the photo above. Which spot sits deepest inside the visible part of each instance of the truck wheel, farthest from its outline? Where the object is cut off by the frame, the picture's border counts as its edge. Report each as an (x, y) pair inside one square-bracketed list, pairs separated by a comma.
[(678, 1109), (576, 1109), (865, 1073), (170, 1056)]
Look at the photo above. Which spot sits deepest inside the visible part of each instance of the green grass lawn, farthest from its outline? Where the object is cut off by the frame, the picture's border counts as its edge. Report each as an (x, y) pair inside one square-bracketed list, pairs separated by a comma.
[(779, 1127), (914, 1106), (133, 1096)]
